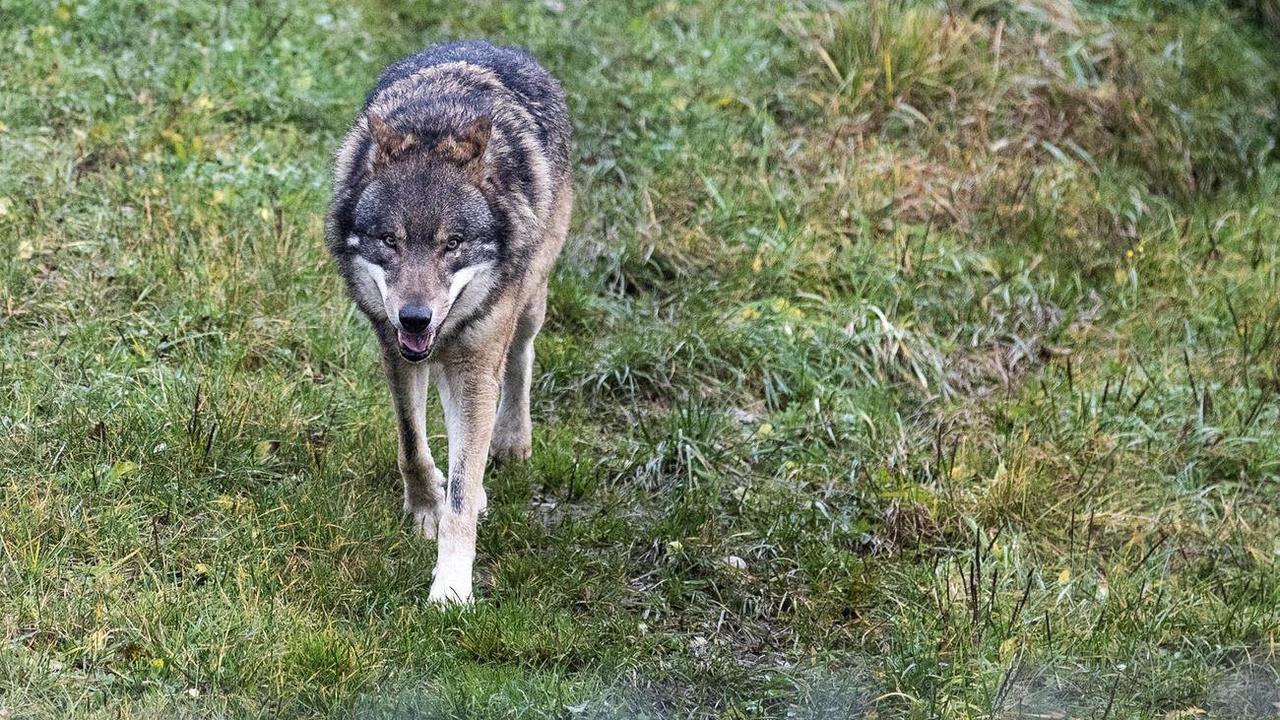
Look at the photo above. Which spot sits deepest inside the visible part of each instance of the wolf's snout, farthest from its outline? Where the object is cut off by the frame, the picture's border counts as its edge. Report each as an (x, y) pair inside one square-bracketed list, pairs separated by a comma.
[(415, 318)]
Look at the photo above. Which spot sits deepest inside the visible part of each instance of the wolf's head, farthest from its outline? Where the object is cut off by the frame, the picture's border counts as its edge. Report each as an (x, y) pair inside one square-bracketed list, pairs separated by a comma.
[(423, 231)]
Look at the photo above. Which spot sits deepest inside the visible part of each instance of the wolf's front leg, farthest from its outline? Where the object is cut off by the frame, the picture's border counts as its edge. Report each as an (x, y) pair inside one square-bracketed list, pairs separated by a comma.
[(469, 395), (513, 430), (423, 483)]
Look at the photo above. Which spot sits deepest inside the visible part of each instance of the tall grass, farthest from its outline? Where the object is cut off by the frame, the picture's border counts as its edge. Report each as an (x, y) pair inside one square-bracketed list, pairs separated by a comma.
[(889, 52)]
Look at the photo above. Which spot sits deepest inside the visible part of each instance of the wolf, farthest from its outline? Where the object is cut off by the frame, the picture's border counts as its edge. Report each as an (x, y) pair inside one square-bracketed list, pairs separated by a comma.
[(452, 199)]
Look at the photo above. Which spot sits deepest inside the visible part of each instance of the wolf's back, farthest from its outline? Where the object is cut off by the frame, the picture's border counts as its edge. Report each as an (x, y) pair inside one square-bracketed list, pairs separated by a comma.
[(519, 73)]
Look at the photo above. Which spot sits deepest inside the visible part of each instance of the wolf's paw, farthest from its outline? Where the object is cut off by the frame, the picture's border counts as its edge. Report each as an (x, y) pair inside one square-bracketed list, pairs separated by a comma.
[(424, 521), (423, 505), (512, 440), (450, 588), (510, 450)]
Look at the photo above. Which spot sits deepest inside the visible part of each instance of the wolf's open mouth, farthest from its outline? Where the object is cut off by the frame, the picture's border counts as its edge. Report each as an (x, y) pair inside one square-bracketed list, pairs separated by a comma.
[(415, 346)]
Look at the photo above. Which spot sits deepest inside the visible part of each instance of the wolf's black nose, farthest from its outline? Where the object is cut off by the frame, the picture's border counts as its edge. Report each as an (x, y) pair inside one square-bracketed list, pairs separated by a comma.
[(415, 319)]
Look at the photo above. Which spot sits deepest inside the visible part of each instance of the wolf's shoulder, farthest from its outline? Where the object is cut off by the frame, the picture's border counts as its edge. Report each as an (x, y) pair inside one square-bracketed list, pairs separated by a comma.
[(514, 67)]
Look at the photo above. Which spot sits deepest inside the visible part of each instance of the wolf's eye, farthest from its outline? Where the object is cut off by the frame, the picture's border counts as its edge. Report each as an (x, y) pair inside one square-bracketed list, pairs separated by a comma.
[(452, 243), (389, 240)]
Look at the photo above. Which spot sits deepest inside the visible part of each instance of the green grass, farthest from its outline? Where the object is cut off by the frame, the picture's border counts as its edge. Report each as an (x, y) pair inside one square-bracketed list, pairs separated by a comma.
[(958, 323)]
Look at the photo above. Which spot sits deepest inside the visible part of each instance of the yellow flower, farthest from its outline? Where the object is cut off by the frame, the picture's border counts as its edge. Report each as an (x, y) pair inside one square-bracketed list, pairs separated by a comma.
[(766, 429), (157, 663), (174, 137)]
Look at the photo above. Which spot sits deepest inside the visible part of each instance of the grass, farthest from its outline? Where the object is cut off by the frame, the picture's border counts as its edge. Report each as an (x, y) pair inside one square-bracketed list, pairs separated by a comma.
[(907, 359)]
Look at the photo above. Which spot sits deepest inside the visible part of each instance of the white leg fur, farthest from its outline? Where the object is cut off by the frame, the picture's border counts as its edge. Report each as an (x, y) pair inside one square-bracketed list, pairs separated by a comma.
[(468, 396)]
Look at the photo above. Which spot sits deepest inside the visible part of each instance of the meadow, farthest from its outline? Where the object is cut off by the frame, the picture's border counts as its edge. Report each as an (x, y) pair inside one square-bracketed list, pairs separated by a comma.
[(907, 359)]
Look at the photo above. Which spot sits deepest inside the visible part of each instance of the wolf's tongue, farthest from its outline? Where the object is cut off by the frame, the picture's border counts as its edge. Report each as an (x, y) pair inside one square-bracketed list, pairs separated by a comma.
[(415, 343)]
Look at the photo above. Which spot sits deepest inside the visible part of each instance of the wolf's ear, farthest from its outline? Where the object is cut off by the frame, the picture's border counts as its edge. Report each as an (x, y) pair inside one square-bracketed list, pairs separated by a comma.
[(465, 146), (389, 142)]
